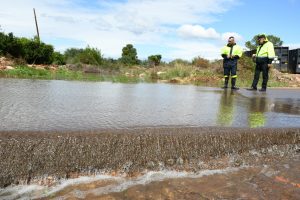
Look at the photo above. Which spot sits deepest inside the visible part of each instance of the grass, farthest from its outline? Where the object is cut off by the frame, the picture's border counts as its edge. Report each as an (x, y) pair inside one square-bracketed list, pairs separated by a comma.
[(26, 72), (184, 74), (123, 79)]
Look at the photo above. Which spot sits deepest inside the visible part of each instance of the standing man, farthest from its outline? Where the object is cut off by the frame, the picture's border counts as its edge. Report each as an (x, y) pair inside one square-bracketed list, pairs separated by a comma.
[(264, 56), (231, 53)]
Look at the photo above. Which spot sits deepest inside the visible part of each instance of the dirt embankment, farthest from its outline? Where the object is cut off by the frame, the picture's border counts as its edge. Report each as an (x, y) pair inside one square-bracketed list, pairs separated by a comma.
[(27, 156), (6, 64), (292, 80)]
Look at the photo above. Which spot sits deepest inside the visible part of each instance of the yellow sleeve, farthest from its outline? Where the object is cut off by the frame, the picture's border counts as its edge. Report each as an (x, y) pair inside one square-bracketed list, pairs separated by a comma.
[(239, 51), (271, 51)]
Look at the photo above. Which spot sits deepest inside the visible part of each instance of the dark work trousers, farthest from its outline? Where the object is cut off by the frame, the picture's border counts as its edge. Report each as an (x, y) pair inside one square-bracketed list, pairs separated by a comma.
[(230, 67), (261, 66)]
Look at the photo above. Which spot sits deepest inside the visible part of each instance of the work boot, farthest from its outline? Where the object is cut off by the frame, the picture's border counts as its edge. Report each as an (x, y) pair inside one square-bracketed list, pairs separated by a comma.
[(226, 83), (233, 87), (263, 90)]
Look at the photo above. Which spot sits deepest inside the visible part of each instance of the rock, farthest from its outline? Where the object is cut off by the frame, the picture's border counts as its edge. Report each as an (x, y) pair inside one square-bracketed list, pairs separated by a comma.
[(179, 161), (160, 72), (170, 161), (126, 167), (39, 67), (52, 68), (9, 67), (150, 164), (175, 80)]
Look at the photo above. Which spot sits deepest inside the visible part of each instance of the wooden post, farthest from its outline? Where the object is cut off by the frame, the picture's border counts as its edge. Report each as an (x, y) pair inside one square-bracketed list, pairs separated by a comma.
[(36, 24)]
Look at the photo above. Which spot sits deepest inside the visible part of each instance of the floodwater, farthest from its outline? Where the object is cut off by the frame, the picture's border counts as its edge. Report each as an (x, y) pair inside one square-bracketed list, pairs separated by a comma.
[(161, 126), (27, 105)]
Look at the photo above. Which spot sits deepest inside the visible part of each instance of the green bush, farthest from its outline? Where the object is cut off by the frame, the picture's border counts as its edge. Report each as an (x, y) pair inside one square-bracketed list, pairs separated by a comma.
[(10, 45), (35, 52), (32, 51), (246, 63), (154, 60), (129, 55), (180, 71), (58, 58), (90, 56)]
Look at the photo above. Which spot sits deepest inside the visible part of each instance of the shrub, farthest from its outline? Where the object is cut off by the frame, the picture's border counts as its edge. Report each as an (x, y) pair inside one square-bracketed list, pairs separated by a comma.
[(179, 61), (89, 55), (58, 58), (154, 60), (201, 62), (10, 45), (36, 52)]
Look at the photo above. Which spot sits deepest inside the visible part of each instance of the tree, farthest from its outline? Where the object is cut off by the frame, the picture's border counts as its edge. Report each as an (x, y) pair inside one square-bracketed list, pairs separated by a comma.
[(253, 43), (129, 55), (154, 60), (10, 45)]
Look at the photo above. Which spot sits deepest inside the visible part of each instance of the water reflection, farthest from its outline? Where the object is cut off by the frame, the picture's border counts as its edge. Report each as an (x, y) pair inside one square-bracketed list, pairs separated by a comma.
[(291, 106), (258, 107), (226, 108)]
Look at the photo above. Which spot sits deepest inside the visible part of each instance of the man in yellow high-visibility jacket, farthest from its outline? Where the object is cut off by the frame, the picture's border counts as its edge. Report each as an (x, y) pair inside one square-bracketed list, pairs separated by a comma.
[(264, 56), (231, 53)]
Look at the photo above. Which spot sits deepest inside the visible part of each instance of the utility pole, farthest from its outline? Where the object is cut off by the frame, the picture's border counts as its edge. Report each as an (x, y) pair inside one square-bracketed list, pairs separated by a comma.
[(36, 24)]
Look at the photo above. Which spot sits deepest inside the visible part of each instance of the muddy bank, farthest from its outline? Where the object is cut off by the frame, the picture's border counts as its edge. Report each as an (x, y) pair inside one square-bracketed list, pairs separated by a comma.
[(27, 156)]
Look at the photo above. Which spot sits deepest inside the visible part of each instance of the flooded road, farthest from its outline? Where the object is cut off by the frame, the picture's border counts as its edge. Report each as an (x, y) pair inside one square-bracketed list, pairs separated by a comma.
[(30, 105), (83, 140)]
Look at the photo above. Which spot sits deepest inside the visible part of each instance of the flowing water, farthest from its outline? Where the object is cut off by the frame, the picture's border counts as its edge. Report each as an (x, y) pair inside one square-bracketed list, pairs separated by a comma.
[(85, 140)]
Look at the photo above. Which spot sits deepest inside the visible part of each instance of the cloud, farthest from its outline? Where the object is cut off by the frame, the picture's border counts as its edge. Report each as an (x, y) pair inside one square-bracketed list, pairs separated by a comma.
[(236, 36), (190, 50), (110, 25), (292, 45), (197, 31)]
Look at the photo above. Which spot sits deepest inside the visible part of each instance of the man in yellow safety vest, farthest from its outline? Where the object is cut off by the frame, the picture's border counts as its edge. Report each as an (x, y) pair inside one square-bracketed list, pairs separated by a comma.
[(231, 53), (264, 56)]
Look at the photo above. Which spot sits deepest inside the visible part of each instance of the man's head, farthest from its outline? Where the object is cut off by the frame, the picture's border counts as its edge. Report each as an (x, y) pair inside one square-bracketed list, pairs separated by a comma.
[(261, 38), (231, 40)]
